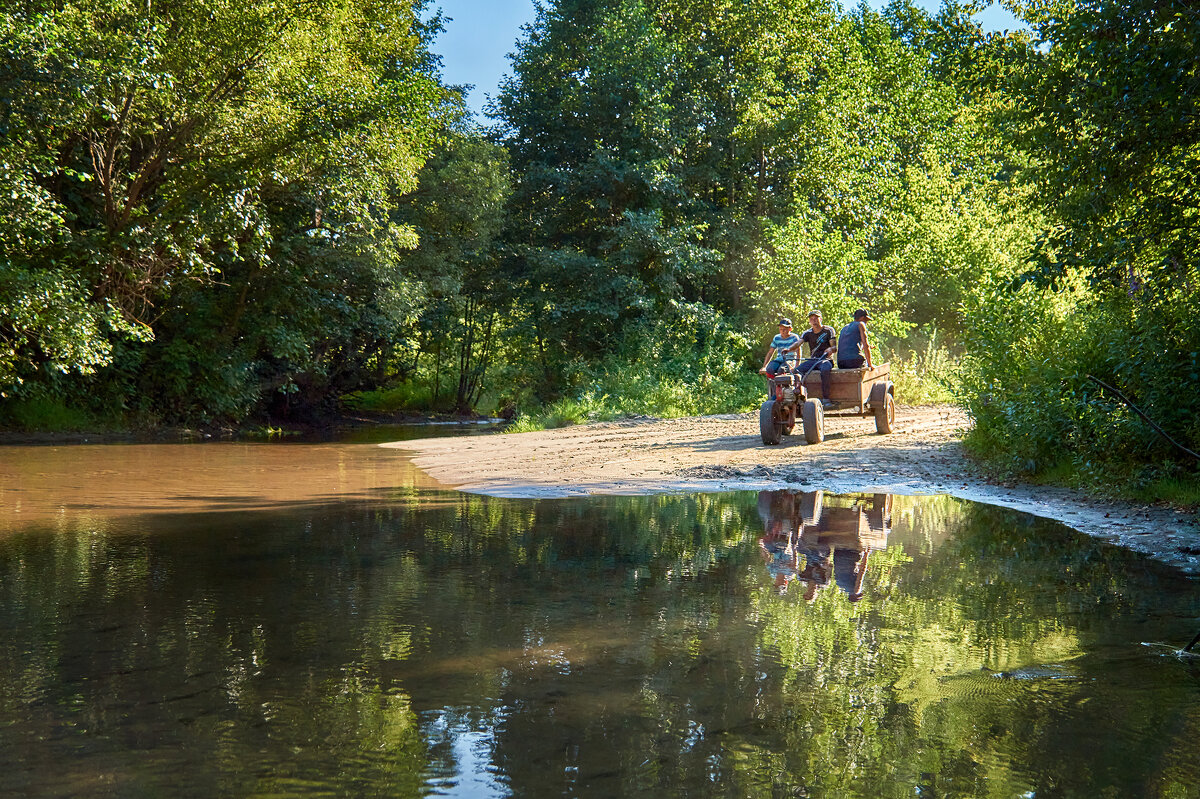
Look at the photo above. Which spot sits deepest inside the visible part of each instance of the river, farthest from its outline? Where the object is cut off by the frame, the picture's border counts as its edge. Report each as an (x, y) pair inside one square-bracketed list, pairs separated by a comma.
[(322, 619)]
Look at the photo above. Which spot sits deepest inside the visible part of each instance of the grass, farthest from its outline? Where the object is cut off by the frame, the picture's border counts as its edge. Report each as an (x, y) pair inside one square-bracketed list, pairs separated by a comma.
[(668, 393), (1131, 482), (1182, 492), (924, 376), (46, 416), (266, 432), (412, 396), (563, 413)]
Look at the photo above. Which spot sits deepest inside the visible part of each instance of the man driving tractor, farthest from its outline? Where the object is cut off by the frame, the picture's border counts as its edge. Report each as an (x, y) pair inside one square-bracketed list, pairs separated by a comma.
[(821, 347)]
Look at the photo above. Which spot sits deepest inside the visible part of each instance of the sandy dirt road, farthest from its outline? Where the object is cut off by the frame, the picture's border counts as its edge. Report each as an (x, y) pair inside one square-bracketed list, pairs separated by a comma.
[(719, 453)]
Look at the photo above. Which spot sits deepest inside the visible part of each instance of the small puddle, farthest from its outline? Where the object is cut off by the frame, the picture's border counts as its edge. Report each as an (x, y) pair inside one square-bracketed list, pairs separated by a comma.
[(233, 619)]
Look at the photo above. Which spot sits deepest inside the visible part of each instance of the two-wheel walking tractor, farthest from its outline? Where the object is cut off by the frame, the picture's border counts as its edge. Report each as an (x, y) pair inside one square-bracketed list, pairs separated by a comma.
[(862, 392)]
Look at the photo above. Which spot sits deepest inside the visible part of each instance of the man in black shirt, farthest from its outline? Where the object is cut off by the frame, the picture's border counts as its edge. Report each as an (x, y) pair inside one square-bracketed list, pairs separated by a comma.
[(821, 347)]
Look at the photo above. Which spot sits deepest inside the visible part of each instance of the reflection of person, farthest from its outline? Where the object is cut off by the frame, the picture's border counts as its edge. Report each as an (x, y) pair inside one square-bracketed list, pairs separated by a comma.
[(781, 560), (849, 569), (821, 347), (778, 543), (853, 349), (815, 573), (814, 540)]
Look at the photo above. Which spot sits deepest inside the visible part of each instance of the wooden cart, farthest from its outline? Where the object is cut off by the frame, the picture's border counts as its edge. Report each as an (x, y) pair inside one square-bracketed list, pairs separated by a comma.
[(862, 392)]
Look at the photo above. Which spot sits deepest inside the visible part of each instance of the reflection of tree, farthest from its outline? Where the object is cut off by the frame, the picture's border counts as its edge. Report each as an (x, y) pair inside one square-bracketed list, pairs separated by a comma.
[(288, 639), (926, 686), (606, 646)]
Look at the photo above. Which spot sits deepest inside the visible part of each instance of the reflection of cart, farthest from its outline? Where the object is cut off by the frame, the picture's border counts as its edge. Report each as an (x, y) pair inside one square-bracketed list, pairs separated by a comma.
[(833, 535), (857, 521), (862, 391)]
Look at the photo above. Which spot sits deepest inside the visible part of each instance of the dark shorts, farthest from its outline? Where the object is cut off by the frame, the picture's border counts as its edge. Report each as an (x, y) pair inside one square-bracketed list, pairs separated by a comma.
[(852, 363), (775, 365)]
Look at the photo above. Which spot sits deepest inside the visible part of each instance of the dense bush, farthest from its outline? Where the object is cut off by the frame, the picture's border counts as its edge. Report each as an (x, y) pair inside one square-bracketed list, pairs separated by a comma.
[(1025, 381), (1102, 105)]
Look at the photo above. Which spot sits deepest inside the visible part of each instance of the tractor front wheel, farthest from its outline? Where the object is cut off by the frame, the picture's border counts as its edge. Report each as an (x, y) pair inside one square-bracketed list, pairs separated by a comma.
[(769, 424)]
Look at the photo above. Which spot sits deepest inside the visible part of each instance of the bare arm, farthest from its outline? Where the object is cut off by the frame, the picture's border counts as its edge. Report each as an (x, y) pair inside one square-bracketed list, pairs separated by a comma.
[(770, 352), (862, 331)]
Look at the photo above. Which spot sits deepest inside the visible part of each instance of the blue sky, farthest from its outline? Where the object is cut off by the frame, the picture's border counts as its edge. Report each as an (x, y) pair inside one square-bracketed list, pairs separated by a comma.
[(481, 34)]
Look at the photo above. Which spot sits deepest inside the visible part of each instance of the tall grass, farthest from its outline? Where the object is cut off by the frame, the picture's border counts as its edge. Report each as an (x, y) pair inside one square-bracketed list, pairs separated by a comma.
[(410, 396), (46, 415), (669, 393), (925, 375)]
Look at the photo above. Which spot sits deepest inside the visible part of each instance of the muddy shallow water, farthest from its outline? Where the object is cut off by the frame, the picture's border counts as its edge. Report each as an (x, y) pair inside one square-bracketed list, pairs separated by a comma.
[(245, 620)]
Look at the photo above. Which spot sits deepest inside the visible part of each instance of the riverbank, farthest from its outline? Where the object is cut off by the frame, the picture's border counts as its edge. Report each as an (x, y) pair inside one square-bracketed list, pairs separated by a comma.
[(269, 430), (724, 453)]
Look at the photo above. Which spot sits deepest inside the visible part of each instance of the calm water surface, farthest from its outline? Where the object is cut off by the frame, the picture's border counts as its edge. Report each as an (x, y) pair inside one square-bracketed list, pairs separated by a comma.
[(298, 619)]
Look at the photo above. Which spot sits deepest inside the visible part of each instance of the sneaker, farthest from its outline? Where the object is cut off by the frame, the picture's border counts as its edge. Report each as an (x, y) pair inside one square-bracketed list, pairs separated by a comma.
[(826, 403)]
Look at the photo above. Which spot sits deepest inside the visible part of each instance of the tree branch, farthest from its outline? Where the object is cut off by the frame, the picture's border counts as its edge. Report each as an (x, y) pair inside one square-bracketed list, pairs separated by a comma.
[(1142, 414)]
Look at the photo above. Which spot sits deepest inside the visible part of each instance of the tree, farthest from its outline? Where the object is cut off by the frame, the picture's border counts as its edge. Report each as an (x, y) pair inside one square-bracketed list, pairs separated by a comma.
[(1105, 107), (458, 211), (137, 171)]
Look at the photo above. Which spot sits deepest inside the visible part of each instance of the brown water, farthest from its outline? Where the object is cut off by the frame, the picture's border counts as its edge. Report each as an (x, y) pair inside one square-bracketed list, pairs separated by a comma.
[(295, 619), (61, 483)]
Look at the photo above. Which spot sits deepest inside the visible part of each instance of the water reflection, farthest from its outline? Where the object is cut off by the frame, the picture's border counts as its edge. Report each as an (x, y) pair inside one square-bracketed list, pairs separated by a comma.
[(808, 537), (439, 643)]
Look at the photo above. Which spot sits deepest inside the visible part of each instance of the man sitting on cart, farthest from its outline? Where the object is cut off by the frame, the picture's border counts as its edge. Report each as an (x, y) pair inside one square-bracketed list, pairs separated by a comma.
[(821, 347), (783, 345), (853, 349)]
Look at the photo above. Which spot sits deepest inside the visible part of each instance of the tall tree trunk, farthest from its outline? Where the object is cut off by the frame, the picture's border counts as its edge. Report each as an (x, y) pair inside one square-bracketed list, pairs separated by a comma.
[(437, 373), (475, 388), (465, 350)]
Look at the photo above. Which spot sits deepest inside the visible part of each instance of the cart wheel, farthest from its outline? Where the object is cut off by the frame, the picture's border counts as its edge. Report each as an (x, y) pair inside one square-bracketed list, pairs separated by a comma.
[(885, 414), (772, 430), (814, 421)]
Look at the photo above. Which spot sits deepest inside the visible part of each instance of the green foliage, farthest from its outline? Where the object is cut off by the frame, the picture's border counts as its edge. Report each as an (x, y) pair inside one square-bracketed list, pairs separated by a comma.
[(1107, 117), (46, 415), (49, 323), (694, 362), (632, 156), (1106, 105), (402, 397), (926, 375), (458, 211), (1026, 382), (147, 187), (818, 270)]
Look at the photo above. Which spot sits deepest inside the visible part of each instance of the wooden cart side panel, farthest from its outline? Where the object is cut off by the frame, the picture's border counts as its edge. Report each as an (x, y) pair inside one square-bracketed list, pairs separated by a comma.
[(848, 385)]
